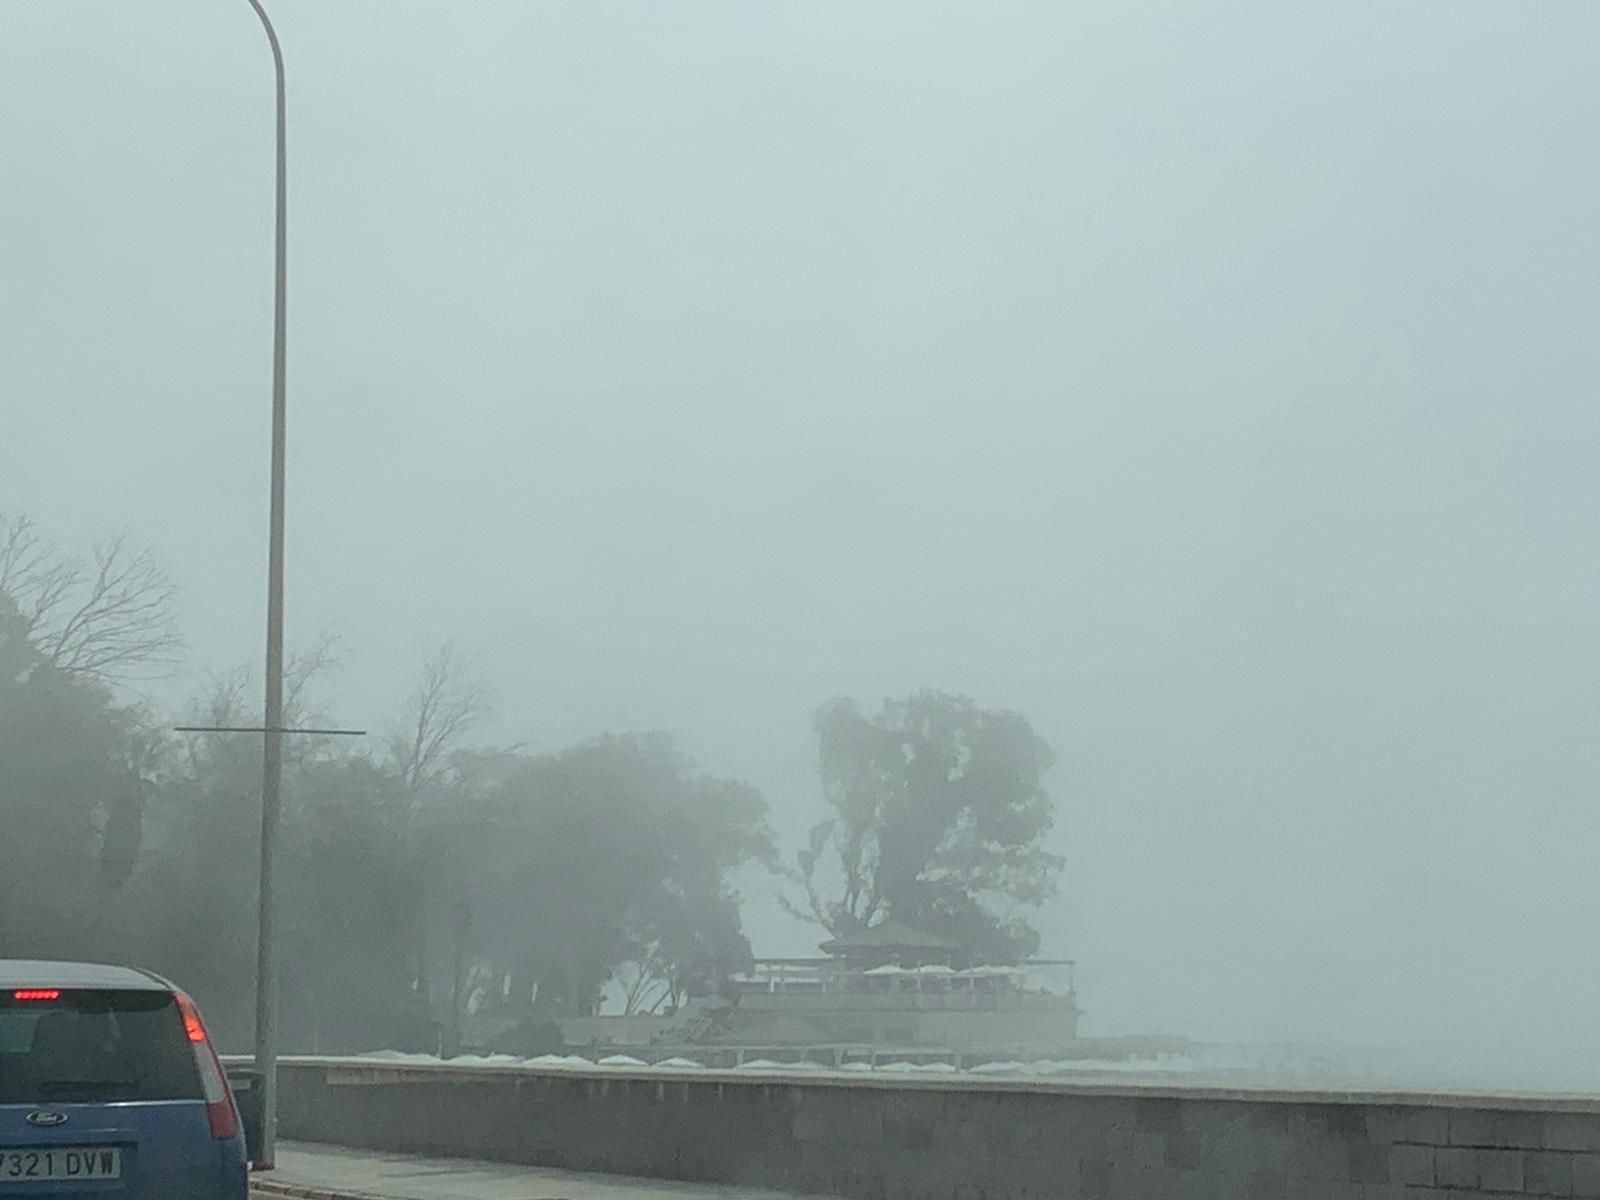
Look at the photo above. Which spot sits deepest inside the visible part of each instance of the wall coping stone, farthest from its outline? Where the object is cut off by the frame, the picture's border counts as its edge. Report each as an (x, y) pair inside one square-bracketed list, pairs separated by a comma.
[(357, 1071)]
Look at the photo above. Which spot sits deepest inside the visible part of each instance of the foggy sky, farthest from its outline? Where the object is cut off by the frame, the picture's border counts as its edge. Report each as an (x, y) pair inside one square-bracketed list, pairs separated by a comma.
[(1215, 384)]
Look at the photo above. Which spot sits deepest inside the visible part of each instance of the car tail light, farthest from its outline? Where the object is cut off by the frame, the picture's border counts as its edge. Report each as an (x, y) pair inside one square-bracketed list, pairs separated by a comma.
[(214, 1083), (36, 994)]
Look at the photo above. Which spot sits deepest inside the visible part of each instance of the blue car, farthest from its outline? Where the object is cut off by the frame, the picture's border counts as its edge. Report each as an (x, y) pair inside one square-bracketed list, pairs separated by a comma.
[(110, 1089)]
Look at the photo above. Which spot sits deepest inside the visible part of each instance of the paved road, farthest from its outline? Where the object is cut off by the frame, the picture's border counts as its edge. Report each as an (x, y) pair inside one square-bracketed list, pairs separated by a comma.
[(326, 1171)]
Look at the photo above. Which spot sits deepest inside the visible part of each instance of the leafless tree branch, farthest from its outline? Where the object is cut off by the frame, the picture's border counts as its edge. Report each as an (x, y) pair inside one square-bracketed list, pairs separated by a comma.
[(649, 987), (446, 704), (101, 621), (221, 707), (307, 665), (32, 572)]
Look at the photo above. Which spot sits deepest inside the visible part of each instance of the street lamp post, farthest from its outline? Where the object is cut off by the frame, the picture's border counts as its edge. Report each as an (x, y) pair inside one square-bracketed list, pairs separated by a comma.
[(272, 734), (272, 729)]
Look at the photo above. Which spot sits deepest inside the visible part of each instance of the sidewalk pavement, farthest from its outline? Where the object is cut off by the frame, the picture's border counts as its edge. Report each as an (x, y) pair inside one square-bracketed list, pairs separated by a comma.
[(313, 1172)]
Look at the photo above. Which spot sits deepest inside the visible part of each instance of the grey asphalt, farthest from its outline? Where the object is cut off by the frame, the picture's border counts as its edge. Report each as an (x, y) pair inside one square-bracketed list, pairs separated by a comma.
[(314, 1172)]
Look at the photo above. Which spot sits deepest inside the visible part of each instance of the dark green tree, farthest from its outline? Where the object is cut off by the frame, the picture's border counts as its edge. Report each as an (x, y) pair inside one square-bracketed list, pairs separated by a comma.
[(346, 924), (612, 853), (75, 765), (70, 811), (418, 864), (194, 892), (937, 818), (342, 934)]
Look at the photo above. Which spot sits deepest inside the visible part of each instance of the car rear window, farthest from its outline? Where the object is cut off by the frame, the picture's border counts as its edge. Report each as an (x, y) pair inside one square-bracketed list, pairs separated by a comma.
[(93, 1046)]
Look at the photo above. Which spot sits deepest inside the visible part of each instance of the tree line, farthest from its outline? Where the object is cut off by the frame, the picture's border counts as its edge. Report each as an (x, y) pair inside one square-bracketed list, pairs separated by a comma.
[(426, 875)]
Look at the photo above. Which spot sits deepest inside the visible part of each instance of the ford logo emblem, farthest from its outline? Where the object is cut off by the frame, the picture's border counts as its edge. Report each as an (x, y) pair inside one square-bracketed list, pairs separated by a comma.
[(46, 1118)]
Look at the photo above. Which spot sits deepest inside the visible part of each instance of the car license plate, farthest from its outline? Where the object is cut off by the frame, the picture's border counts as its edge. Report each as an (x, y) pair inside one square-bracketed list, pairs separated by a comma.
[(60, 1162)]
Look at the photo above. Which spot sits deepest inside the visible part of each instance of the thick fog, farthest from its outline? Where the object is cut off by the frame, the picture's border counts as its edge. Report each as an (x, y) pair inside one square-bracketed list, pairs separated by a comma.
[(1213, 384)]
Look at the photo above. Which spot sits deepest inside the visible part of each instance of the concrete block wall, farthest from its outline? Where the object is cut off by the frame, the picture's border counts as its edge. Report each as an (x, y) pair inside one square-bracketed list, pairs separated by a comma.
[(961, 1139)]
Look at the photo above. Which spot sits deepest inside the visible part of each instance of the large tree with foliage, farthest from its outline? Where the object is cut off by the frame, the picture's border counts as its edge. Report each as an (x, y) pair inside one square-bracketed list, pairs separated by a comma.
[(615, 854), (75, 765), (400, 866), (938, 814), (347, 979), (71, 796)]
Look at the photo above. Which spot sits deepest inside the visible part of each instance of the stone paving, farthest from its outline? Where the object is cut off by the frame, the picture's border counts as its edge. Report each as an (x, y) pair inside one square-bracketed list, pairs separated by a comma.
[(311, 1172)]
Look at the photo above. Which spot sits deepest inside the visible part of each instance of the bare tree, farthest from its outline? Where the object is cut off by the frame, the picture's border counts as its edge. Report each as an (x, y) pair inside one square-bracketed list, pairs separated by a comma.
[(307, 666), (223, 706), (32, 572), (231, 701), (647, 986), (446, 704), (102, 620)]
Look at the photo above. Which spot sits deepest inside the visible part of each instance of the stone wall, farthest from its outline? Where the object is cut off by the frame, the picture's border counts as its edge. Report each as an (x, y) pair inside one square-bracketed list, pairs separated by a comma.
[(960, 1139)]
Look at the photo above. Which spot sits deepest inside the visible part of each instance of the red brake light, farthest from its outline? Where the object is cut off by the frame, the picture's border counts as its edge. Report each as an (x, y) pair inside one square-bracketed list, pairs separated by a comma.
[(36, 994), (219, 1099), (191, 1023)]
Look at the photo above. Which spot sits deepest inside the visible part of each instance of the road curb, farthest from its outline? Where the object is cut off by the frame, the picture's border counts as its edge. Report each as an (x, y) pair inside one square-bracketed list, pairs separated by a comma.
[(278, 1187)]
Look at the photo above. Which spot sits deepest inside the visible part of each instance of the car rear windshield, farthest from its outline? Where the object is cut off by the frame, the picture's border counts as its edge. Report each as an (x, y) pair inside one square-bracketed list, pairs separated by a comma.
[(92, 1046)]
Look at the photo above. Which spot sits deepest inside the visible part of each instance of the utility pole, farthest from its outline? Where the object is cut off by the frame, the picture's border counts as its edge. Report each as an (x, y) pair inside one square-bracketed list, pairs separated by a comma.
[(272, 729), (272, 735)]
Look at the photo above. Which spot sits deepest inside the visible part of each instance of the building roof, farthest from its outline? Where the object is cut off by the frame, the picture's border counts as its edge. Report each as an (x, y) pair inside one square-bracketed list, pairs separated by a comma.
[(887, 935), (26, 973)]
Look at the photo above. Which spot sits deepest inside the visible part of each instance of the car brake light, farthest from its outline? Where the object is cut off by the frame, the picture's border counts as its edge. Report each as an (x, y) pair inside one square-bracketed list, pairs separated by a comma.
[(192, 1025), (220, 1112), (36, 994)]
